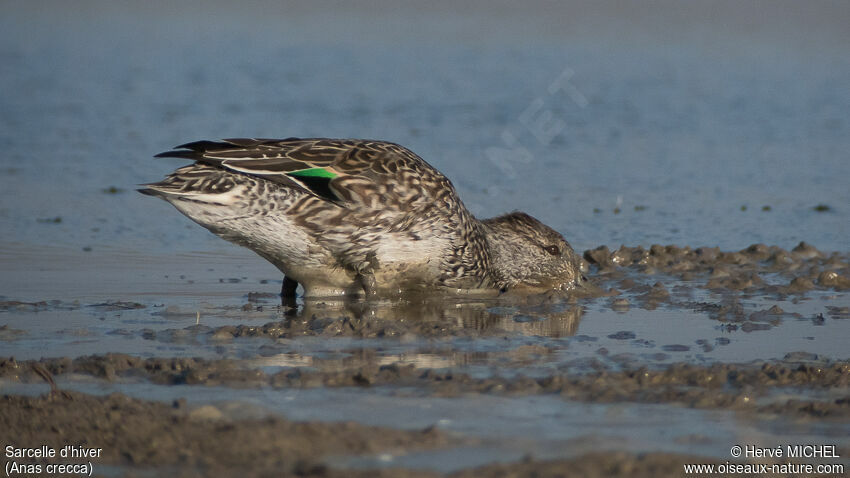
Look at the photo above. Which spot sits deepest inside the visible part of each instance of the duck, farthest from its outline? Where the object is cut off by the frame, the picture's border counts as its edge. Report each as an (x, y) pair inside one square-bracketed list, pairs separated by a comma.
[(359, 218)]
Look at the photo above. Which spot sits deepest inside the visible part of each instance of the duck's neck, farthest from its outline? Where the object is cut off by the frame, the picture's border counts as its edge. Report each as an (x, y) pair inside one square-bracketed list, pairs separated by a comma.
[(504, 250)]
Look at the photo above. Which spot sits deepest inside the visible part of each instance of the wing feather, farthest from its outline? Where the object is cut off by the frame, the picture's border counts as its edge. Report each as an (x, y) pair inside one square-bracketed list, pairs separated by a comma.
[(368, 173)]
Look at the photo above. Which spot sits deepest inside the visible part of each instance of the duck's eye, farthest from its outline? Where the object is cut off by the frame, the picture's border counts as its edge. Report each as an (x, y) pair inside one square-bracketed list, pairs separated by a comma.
[(554, 250)]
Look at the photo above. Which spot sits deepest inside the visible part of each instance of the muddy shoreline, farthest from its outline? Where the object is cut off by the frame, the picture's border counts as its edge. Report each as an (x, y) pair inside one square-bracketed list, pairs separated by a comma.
[(742, 387), (143, 438), (659, 326)]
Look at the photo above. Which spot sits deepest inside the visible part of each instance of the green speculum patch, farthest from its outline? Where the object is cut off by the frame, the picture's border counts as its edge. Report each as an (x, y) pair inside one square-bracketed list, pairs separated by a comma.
[(313, 173)]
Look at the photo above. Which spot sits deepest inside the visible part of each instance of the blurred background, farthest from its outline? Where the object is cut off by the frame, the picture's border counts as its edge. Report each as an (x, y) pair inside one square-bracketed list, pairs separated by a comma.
[(696, 123)]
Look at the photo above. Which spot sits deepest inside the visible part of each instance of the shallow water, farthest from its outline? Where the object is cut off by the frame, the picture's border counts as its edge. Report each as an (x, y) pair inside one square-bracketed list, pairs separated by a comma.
[(614, 126), (680, 134), (168, 305)]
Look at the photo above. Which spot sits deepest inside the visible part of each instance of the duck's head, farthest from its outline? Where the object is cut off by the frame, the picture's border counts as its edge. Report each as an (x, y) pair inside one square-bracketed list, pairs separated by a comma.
[(525, 253)]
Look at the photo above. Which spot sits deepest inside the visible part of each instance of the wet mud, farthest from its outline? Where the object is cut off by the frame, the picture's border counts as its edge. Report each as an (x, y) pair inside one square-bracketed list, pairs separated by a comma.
[(743, 387), (755, 336)]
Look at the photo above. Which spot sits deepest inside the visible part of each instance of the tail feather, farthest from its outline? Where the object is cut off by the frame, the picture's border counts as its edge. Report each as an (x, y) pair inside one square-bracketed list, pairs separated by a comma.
[(193, 155), (193, 180), (205, 145), (149, 191), (197, 150)]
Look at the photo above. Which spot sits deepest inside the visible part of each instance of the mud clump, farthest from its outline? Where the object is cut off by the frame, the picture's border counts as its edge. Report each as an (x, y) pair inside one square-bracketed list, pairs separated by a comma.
[(799, 284), (834, 280), (806, 251), (600, 257), (740, 281)]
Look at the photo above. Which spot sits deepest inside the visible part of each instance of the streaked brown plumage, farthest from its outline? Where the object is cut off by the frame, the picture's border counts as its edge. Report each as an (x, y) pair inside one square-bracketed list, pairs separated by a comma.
[(351, 216)]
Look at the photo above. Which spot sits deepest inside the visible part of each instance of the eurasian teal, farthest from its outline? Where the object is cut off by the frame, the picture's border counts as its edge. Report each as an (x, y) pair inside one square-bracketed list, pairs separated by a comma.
[(350, 216)]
